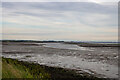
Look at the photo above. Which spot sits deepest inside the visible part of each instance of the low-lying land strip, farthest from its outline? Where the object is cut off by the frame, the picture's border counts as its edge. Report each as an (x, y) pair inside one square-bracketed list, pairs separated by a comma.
[(85, 44)]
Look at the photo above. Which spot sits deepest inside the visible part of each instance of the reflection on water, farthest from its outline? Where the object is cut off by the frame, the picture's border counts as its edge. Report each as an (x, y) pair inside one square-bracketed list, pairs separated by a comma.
[(64, 46)]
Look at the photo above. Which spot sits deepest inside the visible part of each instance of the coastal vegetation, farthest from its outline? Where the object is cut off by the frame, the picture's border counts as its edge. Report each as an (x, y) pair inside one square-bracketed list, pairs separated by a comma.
[(12, 68)]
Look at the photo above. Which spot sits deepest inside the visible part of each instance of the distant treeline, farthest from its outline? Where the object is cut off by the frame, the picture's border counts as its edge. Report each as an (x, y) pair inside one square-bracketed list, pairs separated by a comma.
[(27, 41), (58, 41)]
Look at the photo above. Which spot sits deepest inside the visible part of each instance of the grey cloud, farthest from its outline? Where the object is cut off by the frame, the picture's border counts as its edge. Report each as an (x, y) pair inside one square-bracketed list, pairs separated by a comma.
[(63, 6), (66, 11)]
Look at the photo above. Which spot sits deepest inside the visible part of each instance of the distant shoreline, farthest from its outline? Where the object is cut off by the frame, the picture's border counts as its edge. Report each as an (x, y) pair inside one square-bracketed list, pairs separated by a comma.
[(82, 44), (61, 41)]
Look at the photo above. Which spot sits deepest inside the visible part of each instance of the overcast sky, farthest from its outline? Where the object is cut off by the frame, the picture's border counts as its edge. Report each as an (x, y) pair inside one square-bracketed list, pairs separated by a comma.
[(83, 21)]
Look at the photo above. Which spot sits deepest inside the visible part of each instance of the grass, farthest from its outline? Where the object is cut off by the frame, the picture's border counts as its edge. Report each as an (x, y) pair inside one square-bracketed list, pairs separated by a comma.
[(12, 68), (15, 69)]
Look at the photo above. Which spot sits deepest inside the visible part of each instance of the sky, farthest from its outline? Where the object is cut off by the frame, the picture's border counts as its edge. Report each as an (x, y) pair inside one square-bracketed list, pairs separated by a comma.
[(68, 21)]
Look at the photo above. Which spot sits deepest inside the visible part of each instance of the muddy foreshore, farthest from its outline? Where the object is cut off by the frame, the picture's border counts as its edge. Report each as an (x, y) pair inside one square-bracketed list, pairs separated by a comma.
[(83, 59)]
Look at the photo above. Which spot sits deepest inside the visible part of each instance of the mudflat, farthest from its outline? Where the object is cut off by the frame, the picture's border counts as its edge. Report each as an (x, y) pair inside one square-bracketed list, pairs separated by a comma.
[(98, 61)]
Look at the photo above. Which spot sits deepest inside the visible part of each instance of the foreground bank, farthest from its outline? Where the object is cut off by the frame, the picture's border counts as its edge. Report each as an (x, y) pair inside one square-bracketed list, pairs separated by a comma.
[(12, 68)]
